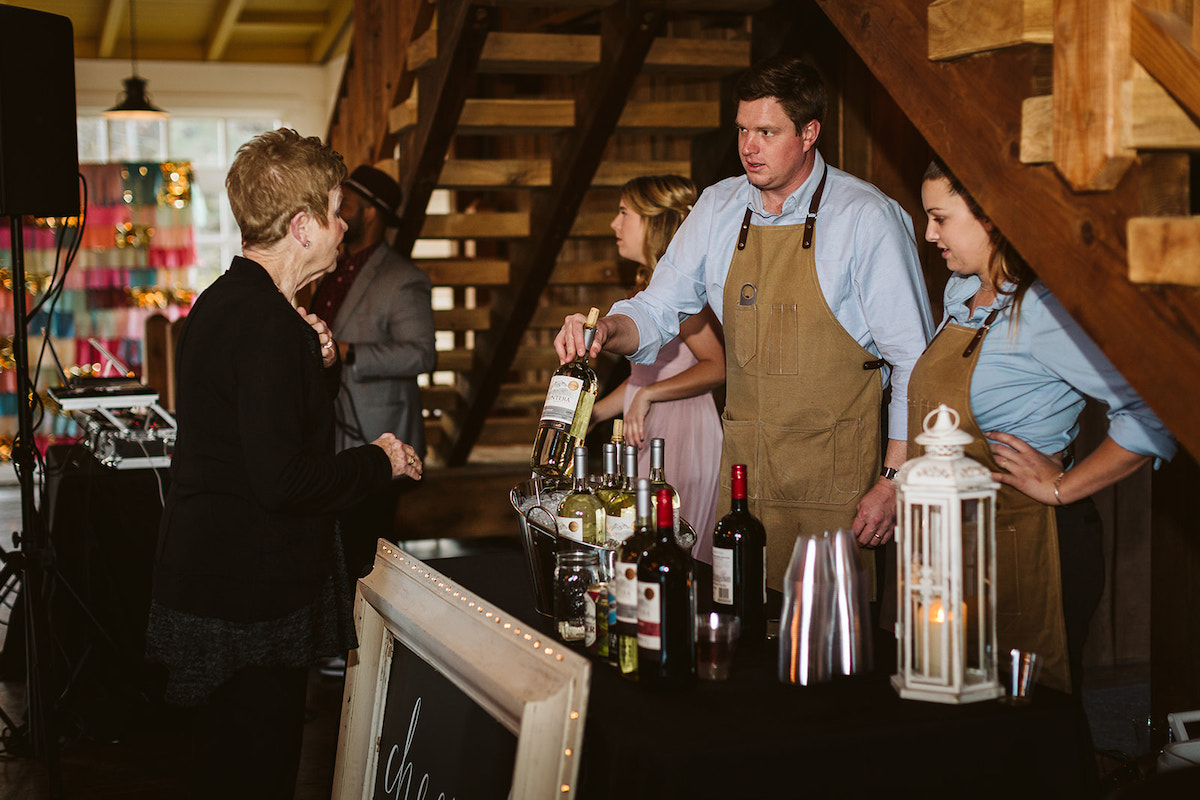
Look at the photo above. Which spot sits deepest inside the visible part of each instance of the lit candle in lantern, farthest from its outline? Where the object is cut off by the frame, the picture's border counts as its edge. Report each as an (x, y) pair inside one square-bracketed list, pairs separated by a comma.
[(930, 622)]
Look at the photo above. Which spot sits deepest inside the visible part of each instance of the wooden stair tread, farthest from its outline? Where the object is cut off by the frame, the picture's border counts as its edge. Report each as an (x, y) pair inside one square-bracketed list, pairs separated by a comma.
[(487, 225), (462, 359), (523, 173), (568, 54), (485, 116), (465, 271)]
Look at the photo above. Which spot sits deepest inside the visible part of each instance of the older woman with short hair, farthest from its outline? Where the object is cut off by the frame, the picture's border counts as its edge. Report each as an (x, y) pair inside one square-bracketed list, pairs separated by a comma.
[(249, 587)]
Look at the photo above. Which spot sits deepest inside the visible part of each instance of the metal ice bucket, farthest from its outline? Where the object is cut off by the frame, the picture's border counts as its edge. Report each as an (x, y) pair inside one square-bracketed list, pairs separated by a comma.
[(541, 541)]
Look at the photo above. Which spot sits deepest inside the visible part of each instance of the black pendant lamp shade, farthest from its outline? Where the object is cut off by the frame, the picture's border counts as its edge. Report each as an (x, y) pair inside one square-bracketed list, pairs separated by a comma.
[(134, 103)]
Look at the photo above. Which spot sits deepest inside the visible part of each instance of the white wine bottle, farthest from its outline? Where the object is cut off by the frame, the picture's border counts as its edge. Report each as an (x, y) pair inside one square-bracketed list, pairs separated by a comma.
[(620, 507), (581, 514), (567, 411)]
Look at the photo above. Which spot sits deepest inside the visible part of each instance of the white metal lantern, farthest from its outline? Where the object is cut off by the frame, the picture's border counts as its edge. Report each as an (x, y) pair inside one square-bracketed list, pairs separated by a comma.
[(946, 546)]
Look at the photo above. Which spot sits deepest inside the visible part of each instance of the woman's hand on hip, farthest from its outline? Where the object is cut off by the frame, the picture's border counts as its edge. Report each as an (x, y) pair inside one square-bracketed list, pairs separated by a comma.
[(404, 458), (1025, 469)]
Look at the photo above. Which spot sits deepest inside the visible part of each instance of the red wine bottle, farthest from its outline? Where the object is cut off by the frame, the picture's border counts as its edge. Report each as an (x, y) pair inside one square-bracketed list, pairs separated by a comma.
[(740, 563), (666, 607)]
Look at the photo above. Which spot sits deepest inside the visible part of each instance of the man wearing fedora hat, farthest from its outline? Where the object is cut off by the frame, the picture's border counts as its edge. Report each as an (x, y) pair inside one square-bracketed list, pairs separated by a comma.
[(377, 303)]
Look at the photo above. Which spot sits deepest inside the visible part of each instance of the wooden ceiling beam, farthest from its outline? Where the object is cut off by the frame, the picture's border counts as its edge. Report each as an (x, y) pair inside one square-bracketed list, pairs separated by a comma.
[(114, 15), (222, 29), (1075, 241), (336, 30), (627, 32)]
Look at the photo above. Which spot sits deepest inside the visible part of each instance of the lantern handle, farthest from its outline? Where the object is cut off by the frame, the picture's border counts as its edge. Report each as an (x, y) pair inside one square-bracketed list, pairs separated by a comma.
[(941, 407)]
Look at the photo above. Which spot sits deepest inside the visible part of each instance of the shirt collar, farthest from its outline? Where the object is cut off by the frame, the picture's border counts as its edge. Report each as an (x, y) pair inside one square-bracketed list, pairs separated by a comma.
[(802, 195), (959, 291)]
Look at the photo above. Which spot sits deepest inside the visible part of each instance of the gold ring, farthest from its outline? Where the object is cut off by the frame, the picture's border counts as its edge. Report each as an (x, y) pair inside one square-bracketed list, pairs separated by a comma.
[(877, 536), (327, 346), (412, 460)]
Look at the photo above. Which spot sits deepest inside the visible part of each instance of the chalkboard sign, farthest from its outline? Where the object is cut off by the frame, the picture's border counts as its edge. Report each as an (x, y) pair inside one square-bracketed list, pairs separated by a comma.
[(430, 730), (450, 697)]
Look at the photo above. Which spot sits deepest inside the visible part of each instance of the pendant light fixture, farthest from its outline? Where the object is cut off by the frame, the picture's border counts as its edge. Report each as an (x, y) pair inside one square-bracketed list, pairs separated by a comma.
[(134, 103)]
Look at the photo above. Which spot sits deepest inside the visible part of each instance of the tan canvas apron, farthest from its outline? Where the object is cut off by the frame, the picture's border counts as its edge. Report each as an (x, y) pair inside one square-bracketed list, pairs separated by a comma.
[(802, 396), (1029, 612)]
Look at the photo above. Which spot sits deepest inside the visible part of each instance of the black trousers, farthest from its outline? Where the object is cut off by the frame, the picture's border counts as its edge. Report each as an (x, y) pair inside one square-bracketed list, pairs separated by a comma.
[(247, 738), (1081, 565)]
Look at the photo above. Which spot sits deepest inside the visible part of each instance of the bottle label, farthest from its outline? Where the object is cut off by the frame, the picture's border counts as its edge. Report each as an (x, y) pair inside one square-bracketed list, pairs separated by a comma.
[(620, 528), (722, 563), (562, 399), (627, 592), (589, 619), (583, 414), (649, 612), (570, 528)]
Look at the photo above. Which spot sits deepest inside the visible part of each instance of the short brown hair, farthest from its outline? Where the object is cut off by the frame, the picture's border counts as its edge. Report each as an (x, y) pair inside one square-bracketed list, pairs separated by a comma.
[(793, 84), (276, 175), (662, 201)]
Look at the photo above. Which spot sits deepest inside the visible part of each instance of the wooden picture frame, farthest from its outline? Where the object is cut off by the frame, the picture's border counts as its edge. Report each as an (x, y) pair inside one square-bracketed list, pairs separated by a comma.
[(526, 681)]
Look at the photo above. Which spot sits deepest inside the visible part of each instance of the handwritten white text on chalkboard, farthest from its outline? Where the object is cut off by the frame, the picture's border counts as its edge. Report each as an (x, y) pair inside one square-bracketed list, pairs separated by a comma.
[(403, 778)]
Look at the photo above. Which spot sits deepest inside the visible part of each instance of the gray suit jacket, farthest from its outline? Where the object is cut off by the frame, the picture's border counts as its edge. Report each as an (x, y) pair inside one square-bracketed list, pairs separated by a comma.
[(388, 317)]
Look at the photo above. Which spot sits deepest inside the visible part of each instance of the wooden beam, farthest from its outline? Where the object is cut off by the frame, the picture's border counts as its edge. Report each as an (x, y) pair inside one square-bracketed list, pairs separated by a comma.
[(114, 15), (222, 29), (1164, 250), (1153, 120), (464, 271), (627, 31), (490, 225), (461, 319), (486, 116), (539, 53), (1076, 242), (478, 173), (962, 27), (588, 272), (1037, 130), (1150, 120), (1091, 61), (1162, 43), (708, 58), (592, 224), (338, 20), (618, 173), (670, 116), (462, 29)]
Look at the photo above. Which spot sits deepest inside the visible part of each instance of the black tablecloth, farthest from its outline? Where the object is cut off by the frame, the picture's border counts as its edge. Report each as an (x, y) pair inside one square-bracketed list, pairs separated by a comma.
[(754, 737)]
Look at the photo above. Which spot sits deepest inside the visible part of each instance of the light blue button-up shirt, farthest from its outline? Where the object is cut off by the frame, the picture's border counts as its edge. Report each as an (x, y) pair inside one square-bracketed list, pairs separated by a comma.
[(1033, 377), (867, 267)]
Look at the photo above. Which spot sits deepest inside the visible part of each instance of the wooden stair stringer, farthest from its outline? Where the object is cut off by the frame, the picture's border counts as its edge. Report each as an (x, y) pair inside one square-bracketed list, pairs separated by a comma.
[(625, 41)]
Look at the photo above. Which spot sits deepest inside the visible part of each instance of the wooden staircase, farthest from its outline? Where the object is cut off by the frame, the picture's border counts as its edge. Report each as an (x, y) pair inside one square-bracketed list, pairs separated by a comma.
[(511, 127)]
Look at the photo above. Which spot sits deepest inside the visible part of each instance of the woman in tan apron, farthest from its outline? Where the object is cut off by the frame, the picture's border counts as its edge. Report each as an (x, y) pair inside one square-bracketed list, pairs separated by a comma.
[(1017, 369)]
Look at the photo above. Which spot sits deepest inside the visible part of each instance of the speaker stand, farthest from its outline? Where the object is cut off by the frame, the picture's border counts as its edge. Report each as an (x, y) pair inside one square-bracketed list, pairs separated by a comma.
[(36, 557)]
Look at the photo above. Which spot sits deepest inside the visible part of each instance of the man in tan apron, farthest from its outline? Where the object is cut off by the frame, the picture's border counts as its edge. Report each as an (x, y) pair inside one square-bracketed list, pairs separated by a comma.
[(1029, 607), (802, 396), (815, 276)]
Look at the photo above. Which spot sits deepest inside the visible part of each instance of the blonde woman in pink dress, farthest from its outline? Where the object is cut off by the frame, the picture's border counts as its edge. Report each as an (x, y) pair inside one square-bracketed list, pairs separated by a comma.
[(671, 400)]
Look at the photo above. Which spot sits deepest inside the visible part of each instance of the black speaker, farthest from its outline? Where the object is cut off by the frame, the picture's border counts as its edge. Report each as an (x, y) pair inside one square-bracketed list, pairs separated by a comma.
[(39, 149)]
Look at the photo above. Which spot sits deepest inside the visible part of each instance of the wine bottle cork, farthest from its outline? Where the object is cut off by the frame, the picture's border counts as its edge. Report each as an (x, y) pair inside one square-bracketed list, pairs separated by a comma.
[(592, 316)]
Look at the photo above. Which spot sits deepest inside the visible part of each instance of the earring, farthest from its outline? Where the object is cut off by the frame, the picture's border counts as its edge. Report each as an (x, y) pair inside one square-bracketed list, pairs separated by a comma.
[(306, 244)]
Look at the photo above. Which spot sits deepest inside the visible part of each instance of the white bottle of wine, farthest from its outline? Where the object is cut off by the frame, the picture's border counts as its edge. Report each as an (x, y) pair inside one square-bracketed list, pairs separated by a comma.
[(567, 411), (581, 514)]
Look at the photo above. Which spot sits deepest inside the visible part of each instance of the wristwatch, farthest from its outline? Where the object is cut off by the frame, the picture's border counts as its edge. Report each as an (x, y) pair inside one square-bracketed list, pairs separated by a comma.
[(349, 359), (889, 473)]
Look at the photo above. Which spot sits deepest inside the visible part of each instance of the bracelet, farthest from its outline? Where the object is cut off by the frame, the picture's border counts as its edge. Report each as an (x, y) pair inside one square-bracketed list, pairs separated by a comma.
[(889, 473), (1058, 481)]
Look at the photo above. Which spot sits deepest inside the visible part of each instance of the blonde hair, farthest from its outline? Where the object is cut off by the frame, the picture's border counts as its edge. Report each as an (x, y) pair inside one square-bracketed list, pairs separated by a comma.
[(275, 176), (662, 201)]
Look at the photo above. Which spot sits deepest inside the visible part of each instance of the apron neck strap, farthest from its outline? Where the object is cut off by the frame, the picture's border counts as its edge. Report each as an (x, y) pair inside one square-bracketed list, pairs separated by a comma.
[(811, 221)]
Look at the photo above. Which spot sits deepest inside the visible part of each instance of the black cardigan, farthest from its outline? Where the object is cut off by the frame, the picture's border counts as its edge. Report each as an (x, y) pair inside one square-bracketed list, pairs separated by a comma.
[(247, 530)]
